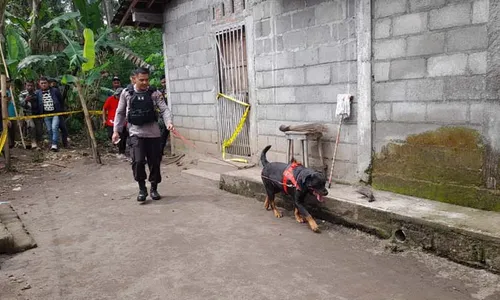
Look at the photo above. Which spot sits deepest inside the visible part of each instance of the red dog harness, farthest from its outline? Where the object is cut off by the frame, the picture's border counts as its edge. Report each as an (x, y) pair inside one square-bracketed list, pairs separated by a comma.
[(288, 176)]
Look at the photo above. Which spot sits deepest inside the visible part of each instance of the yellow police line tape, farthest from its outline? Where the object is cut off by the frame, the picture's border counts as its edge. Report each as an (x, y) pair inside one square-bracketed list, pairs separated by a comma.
[(3, 137), (227, 143)]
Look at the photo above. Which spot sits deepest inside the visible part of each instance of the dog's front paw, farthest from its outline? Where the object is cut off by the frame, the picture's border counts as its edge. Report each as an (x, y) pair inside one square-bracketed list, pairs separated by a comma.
[(277, 214), (315, 229)]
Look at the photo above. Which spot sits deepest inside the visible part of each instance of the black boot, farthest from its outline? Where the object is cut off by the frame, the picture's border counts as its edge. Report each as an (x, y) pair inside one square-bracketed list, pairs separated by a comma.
[(154, 191), (143, 191)]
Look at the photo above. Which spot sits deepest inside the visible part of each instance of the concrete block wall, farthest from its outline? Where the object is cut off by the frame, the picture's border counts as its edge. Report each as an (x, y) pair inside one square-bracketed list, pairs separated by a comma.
[(305, 54), (429, 65), (191, 71)]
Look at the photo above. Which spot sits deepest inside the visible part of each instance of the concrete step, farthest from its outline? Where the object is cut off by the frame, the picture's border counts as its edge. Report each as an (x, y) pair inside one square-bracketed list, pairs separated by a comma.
[(20, 239), (214, 165), (462, 234), (207, 177)]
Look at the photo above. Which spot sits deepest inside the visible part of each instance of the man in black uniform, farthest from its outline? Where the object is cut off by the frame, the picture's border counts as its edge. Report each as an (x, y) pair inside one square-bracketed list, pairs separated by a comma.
[(137, 106)]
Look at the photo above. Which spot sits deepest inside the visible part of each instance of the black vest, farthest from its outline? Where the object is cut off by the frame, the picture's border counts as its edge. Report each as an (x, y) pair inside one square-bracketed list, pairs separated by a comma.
[(142, 109)]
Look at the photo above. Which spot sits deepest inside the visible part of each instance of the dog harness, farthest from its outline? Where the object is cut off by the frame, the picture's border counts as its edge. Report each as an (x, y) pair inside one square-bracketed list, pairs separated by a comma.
[(288, 176)]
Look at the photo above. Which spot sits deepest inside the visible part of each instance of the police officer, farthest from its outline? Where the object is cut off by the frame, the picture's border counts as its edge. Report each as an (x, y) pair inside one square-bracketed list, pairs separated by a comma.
[(138, 105)]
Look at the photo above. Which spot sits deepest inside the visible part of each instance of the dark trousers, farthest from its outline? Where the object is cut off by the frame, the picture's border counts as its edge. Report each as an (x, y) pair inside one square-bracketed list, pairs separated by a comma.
[(64, 130), (142, 150), (164, 138), (12, 134), (122, 145)]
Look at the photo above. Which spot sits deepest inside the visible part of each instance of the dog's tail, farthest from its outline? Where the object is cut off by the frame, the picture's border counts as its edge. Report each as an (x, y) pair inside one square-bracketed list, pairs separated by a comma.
[(263, 158)]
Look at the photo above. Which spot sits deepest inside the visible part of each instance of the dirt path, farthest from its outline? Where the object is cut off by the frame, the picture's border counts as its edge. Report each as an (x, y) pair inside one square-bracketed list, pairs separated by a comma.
[(96, 242)]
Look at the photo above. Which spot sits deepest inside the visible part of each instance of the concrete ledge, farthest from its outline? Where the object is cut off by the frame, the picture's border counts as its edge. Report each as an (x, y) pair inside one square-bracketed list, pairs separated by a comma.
[(465, 235), (20, 240), (208, 177)]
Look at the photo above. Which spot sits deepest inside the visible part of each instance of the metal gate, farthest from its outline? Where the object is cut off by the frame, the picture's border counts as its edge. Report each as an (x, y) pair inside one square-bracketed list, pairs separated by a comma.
[(232, 102)]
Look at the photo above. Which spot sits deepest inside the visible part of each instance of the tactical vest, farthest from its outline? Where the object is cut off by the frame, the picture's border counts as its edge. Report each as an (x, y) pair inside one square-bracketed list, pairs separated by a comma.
[(142, 109)]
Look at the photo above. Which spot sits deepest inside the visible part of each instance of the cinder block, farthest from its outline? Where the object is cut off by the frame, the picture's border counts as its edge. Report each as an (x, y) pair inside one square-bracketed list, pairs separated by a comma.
[(294, 40), (381, 71), (408, 112), (263, 28), (408, 68), (208, 70), (193, 111), (331, 53), (450, 16), (303, 18), (306, 57), (344, 72), (285, 95), (264, 63), (351, 50), (199, 123), (390, 131), (425, 44), (261, 10), (382, 111), (318, 74), (265, 96), (447, 65), (317, 35), (477, 63), (447, 113), (294, 77), (275, 112), (467, 38), (194, 72), (424, 5), (202, 15), (384, 8), (285, 60), (344, 30), (409, 24), (263, 46), (209, 97), (292, 5), (267, 127), (383, 28), (264, 79), (389, 91), (480, 11), (261, 112), (210, 124), (331, 11), (424, 90), (319, 113), (185, 98), (294, 112), (283, 24), (465, 87), (394, 48), (197, 98), (194, 134), (183, 72), (188, 122)]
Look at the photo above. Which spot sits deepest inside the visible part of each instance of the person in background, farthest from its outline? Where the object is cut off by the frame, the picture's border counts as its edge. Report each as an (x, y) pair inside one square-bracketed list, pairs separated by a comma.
[(12, 113), (62, 119), (164, 132), (137, 107), (108, 118), (116, 83), (50, 101), (29, 103)]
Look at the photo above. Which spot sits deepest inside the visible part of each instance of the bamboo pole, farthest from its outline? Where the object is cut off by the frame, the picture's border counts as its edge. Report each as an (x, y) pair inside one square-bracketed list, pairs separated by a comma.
[(5, 115), (12, 98), (93, 142)]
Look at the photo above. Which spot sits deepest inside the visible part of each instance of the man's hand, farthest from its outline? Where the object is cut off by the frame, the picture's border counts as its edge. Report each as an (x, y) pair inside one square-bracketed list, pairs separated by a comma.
[(116, 137), (170, 126), (103, 123)]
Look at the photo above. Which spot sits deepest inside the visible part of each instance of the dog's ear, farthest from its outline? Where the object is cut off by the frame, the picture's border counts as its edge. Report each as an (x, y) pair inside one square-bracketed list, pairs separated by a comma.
[(305, 175)]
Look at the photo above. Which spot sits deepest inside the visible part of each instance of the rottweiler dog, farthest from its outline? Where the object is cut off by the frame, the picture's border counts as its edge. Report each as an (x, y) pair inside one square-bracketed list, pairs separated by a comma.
[(295, 180)]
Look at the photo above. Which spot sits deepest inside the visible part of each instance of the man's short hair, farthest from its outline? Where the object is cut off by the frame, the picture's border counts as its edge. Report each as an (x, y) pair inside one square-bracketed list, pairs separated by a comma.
[(43, 78), (162, 77), (141, 70), (29, 81), (115, 78)]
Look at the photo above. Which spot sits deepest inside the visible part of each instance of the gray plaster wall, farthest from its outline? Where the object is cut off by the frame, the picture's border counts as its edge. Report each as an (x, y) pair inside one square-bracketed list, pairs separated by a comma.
[(430, 60), (305, 54)]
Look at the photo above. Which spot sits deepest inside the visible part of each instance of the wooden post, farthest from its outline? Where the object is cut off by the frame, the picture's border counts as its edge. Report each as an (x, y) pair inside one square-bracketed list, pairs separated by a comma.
[(93, 142), (5, 115)]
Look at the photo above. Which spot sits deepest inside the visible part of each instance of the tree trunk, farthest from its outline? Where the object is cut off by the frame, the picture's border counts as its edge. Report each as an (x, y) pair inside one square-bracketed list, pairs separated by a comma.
[(3, 5), (33, 41), (88, 121), (108, 10)]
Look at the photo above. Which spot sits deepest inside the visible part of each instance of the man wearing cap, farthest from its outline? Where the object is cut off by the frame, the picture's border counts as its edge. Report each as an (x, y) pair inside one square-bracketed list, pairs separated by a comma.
[(116, 83), (108, 120)]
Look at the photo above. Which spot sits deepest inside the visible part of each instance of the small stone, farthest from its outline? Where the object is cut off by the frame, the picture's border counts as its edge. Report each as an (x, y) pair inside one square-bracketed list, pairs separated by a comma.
[(173, 210), (16, 189), (26, 287), (57, 197)]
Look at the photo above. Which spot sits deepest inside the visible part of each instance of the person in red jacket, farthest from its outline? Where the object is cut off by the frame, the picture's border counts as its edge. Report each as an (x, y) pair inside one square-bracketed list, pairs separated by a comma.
[(108, 118)]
